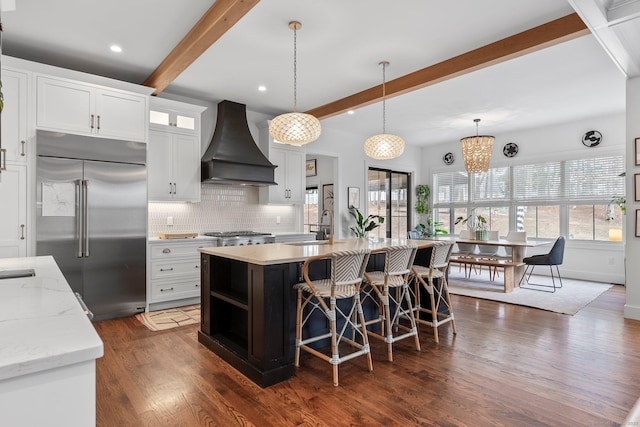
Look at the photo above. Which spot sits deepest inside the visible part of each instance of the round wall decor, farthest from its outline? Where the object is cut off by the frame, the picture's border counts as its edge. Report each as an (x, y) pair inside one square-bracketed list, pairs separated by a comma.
[(592, 138), (448, 159), (510, 149)]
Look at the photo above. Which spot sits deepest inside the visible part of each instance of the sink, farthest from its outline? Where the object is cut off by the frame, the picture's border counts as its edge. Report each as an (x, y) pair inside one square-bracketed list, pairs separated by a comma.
[(309, 243)]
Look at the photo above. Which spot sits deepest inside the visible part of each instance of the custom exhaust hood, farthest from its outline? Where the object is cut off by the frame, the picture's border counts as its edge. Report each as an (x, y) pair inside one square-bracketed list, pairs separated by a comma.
[(233, 156)]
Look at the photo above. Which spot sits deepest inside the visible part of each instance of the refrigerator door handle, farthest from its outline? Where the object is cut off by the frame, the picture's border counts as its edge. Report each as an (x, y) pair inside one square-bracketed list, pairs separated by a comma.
[(85, 216), (79, 221)]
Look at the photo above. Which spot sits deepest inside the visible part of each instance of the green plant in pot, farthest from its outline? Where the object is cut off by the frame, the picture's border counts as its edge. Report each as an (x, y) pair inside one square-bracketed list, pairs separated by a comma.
[(364, 225), (476, 223)]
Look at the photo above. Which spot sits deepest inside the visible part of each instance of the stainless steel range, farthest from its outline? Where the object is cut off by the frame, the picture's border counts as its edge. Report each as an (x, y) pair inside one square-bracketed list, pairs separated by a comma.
[(239, 238)]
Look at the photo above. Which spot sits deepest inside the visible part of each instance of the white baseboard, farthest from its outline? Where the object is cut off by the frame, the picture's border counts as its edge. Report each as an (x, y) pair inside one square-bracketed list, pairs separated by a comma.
[(631, 312)]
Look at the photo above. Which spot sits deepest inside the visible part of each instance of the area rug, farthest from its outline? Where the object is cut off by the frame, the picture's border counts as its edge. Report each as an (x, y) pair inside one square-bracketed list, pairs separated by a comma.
[(171, 318), (573, 296)]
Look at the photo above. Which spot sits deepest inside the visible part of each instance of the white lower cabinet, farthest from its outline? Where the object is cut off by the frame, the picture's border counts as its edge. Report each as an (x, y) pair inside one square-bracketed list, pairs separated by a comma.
[(174, 272)]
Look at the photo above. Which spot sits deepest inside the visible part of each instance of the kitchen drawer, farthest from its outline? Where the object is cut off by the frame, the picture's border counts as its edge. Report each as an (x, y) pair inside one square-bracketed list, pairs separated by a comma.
[(173, 250), (172, 268), (168, 290)]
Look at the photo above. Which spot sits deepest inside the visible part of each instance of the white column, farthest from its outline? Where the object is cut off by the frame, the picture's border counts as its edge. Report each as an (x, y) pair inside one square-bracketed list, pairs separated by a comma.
[(632, 250)]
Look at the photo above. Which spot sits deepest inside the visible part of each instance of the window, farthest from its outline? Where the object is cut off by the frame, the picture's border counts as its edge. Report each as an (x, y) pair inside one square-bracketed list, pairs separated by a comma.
[(311, 209), (571, 198), (388, 196), (541, 222)]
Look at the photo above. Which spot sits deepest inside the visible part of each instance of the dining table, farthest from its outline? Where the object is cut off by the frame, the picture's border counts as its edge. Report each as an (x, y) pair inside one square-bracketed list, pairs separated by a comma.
[(514, 267)]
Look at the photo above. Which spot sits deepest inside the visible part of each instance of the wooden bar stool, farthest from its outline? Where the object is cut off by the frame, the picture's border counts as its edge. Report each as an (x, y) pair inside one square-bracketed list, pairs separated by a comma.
[(396, 275), (438, 264), (347, 269)]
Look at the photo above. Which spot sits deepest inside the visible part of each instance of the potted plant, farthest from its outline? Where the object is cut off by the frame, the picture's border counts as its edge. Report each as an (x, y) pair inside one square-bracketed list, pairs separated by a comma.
[(476, 223), (426, 226), (364, 225)]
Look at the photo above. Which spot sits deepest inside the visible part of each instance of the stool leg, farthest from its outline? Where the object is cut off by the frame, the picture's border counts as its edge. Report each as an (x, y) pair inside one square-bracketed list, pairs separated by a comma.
[(434, 311), (296, 361), (445, 289), (412, 318), (387, 314), (334, 344), (365, 338)]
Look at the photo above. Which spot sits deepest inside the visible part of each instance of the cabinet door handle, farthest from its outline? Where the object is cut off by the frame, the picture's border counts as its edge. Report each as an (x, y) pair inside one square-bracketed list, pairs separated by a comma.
[(3, 159), (166, 290), (166, 269), (170, 188), (21, 231), (92, 117), (166, 251), (98, 122), (197, 266), (175, 188), (197, 285), (23, 145)]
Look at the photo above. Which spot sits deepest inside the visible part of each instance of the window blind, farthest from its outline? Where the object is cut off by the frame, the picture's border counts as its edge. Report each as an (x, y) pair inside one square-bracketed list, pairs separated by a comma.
[(541, 181), (589, 179), (451, 187), (492, 185)]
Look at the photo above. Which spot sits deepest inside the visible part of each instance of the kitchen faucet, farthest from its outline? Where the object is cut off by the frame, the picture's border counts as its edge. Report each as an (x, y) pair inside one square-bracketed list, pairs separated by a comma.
[(330, 223)]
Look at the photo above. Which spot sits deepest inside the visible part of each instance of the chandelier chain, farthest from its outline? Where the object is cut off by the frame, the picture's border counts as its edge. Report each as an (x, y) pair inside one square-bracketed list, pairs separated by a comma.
[(384, 95), (295, 69)]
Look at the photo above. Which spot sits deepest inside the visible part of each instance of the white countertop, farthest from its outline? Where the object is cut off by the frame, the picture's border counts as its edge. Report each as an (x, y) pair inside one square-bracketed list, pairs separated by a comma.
[(42, 325), (279, 253)]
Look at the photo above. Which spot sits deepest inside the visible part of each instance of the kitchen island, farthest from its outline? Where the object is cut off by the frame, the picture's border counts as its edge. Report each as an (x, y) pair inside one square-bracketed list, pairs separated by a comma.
[(248, 301), (48, 349)]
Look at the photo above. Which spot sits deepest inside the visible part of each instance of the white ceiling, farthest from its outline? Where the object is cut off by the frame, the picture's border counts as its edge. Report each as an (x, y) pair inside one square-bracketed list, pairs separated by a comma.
[(339, 47)]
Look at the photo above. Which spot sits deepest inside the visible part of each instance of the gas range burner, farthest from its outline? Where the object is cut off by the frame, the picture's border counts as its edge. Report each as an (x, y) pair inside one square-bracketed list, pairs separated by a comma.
[(240, 238)]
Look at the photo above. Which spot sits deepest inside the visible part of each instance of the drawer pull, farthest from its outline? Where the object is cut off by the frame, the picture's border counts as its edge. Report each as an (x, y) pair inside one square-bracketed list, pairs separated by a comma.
[(197, 285), (166, 251), (166, 290), (197, 266), (166, 269)]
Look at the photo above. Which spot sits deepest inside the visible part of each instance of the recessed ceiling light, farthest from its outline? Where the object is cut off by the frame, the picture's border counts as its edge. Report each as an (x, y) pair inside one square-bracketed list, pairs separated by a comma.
[(115, 48), (351, 112), (262, 88)]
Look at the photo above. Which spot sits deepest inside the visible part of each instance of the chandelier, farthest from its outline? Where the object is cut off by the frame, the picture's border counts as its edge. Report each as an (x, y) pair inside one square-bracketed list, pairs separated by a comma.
[(295, 128), (476, 151), (384, 146)]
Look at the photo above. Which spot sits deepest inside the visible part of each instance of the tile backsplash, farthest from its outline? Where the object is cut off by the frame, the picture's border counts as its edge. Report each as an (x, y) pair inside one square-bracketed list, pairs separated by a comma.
[(223, 208)]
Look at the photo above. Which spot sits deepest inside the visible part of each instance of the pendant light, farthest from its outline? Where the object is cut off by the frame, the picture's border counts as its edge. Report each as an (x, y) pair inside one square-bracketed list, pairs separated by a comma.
[(476, 151), (295, 128), (384, 146)]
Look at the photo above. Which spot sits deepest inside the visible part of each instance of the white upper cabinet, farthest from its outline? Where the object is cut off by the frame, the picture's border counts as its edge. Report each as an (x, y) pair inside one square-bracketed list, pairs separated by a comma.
[(165, 116), (173, 152), (85, 109), (13, 232), (173, 167), (289, 173), (14, 115)]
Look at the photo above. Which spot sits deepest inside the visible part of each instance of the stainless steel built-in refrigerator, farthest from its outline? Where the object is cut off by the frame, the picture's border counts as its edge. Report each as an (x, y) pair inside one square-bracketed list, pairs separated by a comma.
[(91, 216)]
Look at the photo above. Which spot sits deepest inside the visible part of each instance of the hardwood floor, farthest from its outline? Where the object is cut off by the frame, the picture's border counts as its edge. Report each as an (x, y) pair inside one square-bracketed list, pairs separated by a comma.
[(508, 365)]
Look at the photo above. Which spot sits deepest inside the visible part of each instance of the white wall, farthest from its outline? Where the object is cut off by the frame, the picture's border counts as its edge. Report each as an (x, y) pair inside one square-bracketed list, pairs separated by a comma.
[(632, 307), (599, 261), (352, 166)]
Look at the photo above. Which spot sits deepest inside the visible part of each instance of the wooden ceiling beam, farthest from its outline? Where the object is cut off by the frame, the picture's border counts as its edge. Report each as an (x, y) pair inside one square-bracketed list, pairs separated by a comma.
[(537, 38), (220, 17)]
